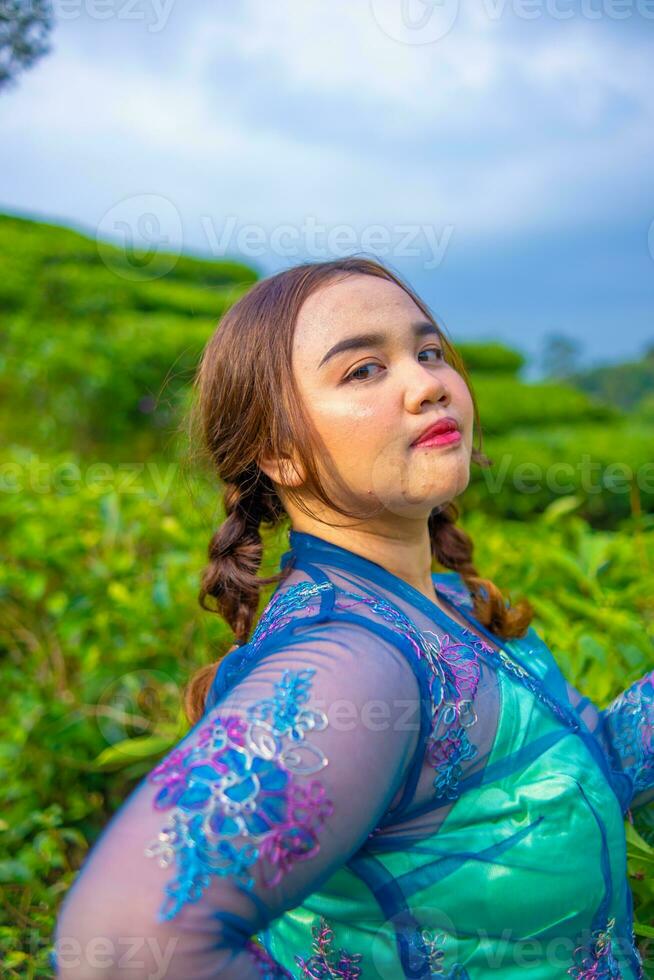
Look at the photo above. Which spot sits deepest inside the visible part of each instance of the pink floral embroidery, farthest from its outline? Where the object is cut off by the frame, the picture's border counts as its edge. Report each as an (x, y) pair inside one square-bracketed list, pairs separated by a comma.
[(326, 962), (595, 960), (229, 785)]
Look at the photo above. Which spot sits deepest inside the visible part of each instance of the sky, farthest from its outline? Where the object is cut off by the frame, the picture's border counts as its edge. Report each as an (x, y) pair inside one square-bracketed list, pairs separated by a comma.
[(497, 154)]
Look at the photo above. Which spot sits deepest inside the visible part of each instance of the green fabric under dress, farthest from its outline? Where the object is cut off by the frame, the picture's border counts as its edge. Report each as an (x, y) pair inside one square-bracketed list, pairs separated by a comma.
[(509, 882)]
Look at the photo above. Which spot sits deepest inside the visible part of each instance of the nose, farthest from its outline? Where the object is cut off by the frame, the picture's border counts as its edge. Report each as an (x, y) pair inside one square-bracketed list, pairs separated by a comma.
[(424, 384)]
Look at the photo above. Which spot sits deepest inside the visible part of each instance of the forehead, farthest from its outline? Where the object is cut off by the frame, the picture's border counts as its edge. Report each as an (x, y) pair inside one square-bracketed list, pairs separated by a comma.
[(348, 305)]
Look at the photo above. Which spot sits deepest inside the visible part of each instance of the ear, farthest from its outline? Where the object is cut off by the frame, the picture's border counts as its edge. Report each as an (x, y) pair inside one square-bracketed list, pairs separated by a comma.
[(285, 471)]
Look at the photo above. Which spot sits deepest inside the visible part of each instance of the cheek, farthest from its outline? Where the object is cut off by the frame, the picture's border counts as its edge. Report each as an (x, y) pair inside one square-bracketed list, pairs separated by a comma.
[(462, 399), (356, 420)]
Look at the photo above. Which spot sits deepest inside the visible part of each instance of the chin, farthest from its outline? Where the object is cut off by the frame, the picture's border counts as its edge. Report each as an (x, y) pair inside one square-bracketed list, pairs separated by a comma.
[(462, 484), (452, 488)]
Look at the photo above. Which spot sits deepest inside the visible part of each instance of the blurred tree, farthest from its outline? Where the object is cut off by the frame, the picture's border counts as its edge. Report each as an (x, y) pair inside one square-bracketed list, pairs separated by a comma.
[(624, 385), (25, 26), (560, 356)]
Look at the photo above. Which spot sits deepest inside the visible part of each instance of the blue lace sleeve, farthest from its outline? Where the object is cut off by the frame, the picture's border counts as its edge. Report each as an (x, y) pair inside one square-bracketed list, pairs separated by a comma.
[(276, 787), (627, 725), (625, 730)]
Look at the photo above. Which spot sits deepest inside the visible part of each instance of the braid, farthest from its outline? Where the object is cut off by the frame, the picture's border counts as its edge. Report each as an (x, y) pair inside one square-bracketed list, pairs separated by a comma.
[(235, 552), (453, 549)]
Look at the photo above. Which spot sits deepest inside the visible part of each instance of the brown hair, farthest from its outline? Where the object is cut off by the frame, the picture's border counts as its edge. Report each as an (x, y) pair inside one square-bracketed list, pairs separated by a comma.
[(247, 406)]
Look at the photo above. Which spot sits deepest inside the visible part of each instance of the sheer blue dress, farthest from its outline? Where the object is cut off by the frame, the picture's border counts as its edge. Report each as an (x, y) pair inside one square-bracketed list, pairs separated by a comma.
[(377, 788)]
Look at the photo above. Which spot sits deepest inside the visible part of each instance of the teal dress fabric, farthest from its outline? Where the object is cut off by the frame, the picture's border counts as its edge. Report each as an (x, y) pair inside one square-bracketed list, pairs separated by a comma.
[(376, 789)]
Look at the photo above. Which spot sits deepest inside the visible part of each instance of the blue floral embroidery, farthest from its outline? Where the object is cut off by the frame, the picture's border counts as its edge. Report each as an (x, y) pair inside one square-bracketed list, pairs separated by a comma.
[(501, 658), (453, 671), (640, 967), (278, 613), (425, 941), (282, 710), (459, 595), (454, 674), (631, 719), (454, 679), (236, 780), (325, 961), (280, 609)]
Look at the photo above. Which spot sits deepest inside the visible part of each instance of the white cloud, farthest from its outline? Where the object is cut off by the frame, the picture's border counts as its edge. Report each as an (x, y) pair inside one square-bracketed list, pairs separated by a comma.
[(499, 128)]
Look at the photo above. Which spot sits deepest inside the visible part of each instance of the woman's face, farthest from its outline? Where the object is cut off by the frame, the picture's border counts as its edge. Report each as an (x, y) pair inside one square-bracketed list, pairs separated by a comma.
[(370, 402)]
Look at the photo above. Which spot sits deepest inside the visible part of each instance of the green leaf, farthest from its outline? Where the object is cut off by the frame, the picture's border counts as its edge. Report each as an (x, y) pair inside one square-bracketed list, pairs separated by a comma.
[(637, 842), (140, 747), (559, 508), (14, 871)]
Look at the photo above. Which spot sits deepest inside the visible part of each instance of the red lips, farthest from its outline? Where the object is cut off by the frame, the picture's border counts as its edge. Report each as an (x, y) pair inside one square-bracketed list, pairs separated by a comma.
[(447, 424)]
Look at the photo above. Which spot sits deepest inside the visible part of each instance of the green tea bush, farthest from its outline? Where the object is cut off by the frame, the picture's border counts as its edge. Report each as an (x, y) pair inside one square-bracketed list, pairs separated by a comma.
[(99, 631), (92, 354), (490, 358), (75, 290), (87, 387), (609, 468), (32, 251), (505, 403)]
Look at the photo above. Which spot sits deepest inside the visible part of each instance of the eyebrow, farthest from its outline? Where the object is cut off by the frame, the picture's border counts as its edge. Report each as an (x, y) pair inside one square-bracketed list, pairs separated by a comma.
[(374, 340)]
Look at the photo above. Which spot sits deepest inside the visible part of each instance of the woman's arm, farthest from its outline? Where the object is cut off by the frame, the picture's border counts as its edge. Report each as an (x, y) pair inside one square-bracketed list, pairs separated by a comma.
[(628, 727), (276, 787), (625, 730)]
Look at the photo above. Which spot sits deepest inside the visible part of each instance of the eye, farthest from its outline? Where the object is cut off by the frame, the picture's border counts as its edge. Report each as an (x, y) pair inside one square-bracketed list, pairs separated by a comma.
[(437, 350), (352, 376)]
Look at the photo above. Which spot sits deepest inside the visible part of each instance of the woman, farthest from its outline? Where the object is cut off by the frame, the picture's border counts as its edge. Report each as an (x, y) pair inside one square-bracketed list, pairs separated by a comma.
[(389, 777)]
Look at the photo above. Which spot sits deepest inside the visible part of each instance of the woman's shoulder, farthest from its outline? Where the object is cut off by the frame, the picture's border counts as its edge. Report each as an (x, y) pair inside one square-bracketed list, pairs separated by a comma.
[(309, 604), (531, 644), (319, 619), (453, 586)]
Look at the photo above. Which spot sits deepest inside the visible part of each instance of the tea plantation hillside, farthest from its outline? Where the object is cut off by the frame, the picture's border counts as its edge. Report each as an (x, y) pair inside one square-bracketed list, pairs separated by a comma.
[(98, 347)]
